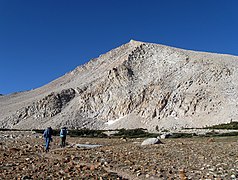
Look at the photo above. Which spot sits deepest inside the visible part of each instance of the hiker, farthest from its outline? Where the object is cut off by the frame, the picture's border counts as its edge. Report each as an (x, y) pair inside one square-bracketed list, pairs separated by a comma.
[(63, 133), (48, 137)]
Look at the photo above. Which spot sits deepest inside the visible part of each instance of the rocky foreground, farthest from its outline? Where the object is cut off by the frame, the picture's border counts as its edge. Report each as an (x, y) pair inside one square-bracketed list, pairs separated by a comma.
[(22, 157)]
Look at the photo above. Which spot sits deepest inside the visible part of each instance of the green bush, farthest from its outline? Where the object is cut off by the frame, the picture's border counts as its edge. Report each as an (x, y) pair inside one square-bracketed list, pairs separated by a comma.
[(134, 133), (77, 133), (87, 133), (182, 135), (231, 125), (215, 134)]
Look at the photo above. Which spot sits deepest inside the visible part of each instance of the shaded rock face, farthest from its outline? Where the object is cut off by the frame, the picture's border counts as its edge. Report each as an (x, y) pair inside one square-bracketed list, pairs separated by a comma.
[(49, 106), (138, 85)]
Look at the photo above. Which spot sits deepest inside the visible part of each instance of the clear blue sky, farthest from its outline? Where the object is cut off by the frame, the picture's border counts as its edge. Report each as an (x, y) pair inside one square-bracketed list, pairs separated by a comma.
[(41, 40)]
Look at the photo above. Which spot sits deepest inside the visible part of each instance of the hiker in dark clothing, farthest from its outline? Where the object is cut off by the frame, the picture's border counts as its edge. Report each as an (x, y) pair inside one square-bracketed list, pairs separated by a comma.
[(48, 137), (63, 133)]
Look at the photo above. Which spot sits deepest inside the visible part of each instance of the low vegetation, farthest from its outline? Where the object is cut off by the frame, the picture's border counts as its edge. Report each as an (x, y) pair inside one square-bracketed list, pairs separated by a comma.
[(182, 135), (134, 133), (78, 133), (216, 134), (231, 126), (141, 133)]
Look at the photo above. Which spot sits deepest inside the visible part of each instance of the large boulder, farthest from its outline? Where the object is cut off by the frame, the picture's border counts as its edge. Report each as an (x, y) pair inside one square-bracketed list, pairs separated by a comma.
[(151, 141), (165, 135)]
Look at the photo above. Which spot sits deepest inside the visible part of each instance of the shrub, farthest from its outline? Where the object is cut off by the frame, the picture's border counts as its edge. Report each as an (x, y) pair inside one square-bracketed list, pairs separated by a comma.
[(231, 125), (87, 133), (182, 135), (134, 133)]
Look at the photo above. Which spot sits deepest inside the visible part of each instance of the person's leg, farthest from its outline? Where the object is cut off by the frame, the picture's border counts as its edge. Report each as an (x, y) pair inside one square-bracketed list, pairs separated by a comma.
[(47, 142), (64, 141), (61, 141)]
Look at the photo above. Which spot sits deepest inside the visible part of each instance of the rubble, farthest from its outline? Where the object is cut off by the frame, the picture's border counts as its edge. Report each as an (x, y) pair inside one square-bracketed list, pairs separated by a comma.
[(189, 158)]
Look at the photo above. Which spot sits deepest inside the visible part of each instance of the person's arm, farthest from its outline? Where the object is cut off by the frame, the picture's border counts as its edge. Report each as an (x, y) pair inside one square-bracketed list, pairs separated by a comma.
[(44, 134)]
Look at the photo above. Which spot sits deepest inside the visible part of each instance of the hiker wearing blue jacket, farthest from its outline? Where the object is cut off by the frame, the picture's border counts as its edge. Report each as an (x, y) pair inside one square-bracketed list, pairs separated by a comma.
[(48, 138), (63, 134)]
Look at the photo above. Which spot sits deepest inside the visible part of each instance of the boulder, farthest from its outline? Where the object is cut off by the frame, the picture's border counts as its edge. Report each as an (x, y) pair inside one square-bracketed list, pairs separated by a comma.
[(151, 141), (165, 135), (88, 146)]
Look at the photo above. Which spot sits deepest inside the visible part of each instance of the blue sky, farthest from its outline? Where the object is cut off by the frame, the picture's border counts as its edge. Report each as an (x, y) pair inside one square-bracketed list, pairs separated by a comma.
[(42, 40)]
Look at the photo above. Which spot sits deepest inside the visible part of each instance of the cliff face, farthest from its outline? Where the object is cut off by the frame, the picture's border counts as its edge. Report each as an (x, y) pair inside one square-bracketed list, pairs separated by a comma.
[(136, 85)]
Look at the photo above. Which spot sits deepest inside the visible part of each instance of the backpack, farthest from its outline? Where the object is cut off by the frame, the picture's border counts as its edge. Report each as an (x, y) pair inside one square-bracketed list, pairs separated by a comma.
[(48, 133), (63, 132)]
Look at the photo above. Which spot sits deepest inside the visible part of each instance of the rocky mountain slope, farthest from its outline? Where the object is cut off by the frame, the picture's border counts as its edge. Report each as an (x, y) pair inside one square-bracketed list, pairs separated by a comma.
[(135, 85)]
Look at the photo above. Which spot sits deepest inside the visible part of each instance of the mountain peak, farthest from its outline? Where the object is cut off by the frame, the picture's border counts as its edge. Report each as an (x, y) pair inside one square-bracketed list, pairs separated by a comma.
[(134, 42), (137, 85)]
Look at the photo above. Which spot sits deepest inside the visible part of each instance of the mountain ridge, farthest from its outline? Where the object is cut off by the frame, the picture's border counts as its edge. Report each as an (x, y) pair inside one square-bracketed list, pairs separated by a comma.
[(134, 85)]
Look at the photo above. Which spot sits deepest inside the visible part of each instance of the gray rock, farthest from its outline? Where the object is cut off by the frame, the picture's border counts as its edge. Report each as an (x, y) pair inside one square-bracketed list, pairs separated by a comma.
[(88, 146), (165, 135), (25, 177), (151, 141)]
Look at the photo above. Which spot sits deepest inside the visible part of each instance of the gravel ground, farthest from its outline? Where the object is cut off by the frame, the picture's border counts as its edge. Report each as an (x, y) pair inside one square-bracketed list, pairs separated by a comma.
[(22, 157)]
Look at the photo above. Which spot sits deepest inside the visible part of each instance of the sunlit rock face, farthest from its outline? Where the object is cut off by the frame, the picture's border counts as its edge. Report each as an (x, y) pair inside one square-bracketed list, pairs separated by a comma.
[(137, 85)]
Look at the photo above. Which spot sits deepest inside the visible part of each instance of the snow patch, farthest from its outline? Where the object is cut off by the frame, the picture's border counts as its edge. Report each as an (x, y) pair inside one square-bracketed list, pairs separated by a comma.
[(110, 122)]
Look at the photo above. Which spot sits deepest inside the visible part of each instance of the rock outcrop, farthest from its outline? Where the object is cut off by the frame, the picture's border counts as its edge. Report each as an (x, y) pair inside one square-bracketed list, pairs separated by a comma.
[(47, 107), (137, 85)]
